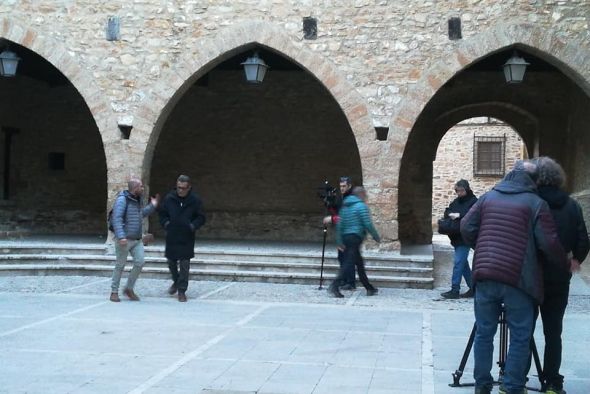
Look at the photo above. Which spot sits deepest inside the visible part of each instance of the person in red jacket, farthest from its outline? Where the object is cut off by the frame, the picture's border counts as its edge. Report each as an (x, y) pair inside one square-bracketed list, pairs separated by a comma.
[(509, 227)]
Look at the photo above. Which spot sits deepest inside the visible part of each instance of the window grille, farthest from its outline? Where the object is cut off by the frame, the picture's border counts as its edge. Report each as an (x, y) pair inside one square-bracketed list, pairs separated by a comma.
[(489, 156)]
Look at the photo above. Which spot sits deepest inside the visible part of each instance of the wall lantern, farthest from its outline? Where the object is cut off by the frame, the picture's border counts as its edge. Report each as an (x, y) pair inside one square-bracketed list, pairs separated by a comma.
[(8, 63), (514, 69), (255, 69)]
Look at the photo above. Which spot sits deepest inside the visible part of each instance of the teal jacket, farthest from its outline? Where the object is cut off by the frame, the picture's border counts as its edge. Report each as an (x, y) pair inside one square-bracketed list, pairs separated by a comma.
[(355, 218)]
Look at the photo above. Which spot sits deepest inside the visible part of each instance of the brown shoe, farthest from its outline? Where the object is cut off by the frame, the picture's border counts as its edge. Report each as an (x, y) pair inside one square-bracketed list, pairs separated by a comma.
[(181, 297), (115, 297), (131, 295), (172, 289)]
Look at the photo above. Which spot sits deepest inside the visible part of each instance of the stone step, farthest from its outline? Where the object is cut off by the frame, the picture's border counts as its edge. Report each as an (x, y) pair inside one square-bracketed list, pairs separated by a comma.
[(219, 265), (217, 260), (50, 268), (386, 259)]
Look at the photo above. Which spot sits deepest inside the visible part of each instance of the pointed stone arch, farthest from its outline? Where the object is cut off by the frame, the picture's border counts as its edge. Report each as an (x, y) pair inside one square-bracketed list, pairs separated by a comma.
[(57, 54), (163, 96), (569, 55)]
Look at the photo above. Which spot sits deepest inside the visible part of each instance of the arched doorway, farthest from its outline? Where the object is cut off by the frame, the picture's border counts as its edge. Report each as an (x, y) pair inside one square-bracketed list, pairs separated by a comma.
[(546, 109), (480, 150), (257, 154), (52, 162)]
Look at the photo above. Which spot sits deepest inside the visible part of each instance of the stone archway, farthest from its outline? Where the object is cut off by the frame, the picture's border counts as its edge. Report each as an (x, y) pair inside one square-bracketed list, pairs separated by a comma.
[(57, 54), (56, 144), (416, 117), (155, 110), (163, 96)]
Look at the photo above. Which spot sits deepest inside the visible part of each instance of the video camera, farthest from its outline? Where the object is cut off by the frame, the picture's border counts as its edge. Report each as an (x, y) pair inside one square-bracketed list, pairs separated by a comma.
[(329, 195)]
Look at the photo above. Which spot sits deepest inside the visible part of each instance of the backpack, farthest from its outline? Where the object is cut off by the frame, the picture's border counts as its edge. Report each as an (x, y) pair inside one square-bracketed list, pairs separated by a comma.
[(110, 216)]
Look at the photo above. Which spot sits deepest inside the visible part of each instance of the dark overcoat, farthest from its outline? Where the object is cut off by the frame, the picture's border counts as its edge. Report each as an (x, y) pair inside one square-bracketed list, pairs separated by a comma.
[(181, 217)]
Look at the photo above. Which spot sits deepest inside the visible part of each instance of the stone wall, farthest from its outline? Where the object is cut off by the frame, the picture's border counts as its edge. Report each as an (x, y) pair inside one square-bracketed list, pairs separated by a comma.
[(381, 62), (383, 47), (50, 119), (257, 158), (454, 160)]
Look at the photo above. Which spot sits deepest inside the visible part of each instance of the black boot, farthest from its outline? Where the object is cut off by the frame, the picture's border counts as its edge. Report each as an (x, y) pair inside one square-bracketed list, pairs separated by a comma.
[(333, 290)]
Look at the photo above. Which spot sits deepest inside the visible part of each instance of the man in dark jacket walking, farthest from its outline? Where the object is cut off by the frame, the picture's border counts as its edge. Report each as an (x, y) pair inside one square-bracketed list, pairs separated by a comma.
[(573, 236), (181, 214), (509, 226), (127, 217), (457, 211)]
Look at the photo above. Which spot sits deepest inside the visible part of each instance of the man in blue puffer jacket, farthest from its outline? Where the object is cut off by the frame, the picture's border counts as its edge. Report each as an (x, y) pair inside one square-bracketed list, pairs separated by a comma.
[(351, 230), (127, 218)]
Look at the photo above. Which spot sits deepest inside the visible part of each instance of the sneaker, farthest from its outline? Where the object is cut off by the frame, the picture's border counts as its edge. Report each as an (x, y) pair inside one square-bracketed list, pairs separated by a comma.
[(467, 294), (172, 289), (451, 294), (181, 297), (348, 286), (130, 294), (115, 297), (372, 292), (554, 390), (503, 390), (335, 292)]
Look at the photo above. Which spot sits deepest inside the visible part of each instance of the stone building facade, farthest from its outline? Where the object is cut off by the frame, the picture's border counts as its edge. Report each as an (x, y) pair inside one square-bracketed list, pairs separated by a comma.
[(166, 96), (455, 159)]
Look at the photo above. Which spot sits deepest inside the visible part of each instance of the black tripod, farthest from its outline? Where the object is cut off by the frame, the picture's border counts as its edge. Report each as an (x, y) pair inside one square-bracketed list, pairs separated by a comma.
[(323, 252), (502, 352)]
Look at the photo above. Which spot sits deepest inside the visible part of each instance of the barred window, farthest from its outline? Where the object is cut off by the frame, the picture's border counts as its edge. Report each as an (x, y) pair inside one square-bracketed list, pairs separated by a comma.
[(488, 156)]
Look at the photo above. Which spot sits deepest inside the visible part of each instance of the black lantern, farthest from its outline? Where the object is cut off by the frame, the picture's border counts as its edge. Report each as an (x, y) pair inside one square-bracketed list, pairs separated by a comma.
[(255, 69), (514, 68), (8, 63)]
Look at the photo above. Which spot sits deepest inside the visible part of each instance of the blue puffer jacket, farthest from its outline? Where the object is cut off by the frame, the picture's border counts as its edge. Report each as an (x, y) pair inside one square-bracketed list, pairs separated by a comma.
[(128, 215), (509, 227), (355, 218)]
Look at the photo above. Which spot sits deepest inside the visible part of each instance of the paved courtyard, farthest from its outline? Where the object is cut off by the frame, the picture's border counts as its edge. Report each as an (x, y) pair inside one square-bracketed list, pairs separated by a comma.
[(62, 335)]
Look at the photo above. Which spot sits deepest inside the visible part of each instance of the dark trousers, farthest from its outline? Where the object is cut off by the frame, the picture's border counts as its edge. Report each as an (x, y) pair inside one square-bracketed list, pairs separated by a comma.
[(552, 311), (180, 279), (352, 258), (350, 279)]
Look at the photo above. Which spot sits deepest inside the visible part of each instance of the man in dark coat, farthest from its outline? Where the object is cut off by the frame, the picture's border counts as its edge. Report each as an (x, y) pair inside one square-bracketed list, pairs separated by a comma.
[(509, 227), (456, 211), (573, 235), (181, 214)]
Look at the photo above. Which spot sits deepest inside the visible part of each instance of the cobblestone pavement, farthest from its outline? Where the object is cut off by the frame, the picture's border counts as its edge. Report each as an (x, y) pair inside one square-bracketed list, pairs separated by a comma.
[(61, 335)]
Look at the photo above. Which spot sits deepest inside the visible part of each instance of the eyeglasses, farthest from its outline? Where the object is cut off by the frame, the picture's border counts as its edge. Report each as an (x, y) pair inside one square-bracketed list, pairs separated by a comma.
[(183, 187)]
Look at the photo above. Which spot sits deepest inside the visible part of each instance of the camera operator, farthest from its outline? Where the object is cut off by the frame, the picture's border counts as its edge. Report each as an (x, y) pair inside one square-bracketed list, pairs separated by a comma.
[(348, 281)]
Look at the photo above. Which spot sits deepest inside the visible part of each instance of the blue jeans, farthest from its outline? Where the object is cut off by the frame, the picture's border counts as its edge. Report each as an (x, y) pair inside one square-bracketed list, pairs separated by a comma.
[(461, 268), (520, 311)]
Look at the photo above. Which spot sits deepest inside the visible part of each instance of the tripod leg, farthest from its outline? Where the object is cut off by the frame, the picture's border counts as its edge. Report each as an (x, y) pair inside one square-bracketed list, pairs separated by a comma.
[(538, 365), (323, 253), (503, 346), (459, 372)]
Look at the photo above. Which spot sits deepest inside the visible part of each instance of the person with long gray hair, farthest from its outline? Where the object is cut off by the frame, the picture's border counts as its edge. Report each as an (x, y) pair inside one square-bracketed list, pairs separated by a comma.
[(573, 236)]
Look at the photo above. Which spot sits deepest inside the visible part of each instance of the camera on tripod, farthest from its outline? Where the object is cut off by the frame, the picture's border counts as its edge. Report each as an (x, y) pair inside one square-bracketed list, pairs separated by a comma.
[(329, 195)]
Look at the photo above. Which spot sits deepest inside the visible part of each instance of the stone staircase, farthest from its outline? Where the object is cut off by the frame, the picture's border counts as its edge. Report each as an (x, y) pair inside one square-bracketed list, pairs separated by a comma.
[(216, 260)]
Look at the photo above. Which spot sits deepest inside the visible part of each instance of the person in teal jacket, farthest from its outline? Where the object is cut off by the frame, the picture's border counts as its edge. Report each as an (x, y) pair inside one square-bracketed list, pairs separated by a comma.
[(351, 230)]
